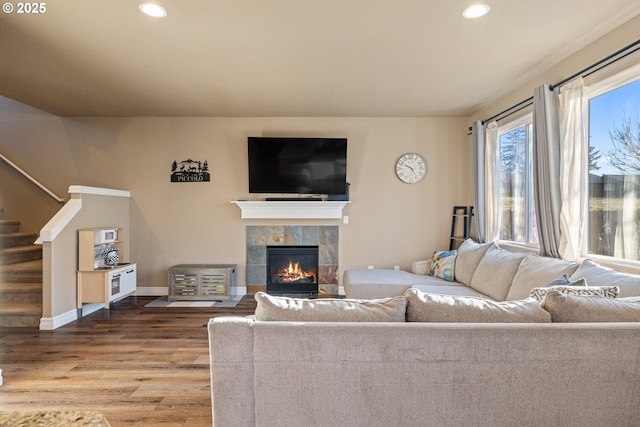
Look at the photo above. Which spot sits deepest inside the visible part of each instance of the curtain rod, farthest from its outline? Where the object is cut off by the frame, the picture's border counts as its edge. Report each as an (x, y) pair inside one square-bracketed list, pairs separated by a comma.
[(584, 72), (521, 104), (600, 64)]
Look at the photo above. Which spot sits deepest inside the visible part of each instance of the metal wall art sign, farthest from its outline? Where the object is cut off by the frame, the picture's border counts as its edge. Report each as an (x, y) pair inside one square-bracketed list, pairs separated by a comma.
[(190, 171)]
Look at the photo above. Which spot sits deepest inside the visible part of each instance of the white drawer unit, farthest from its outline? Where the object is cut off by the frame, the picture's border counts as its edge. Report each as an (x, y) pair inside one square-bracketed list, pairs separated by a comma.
[(201, 282), (123, 282), (106, 286)]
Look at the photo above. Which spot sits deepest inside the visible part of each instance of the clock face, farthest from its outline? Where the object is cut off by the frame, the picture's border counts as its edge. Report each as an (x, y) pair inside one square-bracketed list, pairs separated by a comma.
[(411, 168)]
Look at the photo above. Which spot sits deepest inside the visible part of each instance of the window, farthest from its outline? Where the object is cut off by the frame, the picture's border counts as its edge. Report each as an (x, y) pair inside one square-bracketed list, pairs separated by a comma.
[(518, 219), (614, 169)]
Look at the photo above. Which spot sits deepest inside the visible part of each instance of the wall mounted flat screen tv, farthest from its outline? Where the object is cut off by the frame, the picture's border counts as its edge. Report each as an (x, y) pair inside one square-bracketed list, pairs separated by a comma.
[(297, 165)]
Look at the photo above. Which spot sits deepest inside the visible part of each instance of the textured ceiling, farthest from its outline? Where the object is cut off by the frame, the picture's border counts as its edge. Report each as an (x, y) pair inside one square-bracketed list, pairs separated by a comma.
[(300, 58)]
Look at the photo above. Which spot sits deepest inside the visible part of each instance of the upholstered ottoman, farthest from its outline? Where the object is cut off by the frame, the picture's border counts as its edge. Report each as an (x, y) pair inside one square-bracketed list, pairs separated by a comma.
[(369, 284)]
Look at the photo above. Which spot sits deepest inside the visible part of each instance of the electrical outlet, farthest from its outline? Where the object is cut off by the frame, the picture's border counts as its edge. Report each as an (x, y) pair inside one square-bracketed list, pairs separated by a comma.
[(345, 219), (370, 267), (396, 267)]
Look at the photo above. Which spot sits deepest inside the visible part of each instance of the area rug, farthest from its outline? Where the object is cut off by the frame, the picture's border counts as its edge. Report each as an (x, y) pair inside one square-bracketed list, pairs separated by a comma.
[(164, 302), (53, 419)]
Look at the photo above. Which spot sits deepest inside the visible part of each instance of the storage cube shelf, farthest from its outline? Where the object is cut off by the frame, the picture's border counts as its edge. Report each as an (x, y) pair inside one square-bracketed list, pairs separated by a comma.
[(191, 282)]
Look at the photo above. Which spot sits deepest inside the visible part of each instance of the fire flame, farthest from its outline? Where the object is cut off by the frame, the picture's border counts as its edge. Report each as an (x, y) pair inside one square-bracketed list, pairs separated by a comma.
[(294, 272)]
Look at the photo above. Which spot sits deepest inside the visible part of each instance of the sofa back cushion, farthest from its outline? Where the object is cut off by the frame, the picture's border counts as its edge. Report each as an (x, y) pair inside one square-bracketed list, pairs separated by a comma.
[(597, 275), (424, 307), (536, 271), (329, 309), (469, 255), (576, 308), (495, 272)]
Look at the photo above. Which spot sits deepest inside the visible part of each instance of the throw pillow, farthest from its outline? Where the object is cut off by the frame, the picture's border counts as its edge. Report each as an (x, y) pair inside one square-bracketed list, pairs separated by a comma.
[(469, 255), (442, 264), (536, 271), (597, 275), (425, 307), (575, 308), (563, 281), (329, 309), (577, 288), (495, 272)]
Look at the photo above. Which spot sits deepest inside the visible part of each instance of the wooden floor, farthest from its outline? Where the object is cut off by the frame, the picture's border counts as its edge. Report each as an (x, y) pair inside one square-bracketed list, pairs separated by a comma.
[(143, 366)]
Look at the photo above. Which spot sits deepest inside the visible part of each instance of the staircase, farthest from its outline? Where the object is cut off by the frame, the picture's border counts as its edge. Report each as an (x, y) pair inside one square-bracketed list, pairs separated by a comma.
[(20, 277)]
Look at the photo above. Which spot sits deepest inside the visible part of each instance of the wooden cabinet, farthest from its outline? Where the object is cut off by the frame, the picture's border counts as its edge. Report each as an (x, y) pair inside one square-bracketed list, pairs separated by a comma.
[(103, 276)]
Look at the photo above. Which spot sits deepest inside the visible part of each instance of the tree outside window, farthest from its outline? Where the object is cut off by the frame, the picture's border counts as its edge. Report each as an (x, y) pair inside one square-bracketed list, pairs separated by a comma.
[(614, 173), (516, 190)]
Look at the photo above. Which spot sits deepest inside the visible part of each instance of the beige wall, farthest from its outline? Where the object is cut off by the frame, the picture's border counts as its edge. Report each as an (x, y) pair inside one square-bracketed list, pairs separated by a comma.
[(33, 140), (390, 223)]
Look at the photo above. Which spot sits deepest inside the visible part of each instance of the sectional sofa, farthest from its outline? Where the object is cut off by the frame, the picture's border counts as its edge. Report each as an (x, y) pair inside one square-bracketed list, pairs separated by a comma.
[(398, 373), (487, 271), (420, 358)]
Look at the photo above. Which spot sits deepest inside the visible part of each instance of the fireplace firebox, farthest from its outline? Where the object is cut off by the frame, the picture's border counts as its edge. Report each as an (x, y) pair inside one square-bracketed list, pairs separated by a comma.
[(292, 269)]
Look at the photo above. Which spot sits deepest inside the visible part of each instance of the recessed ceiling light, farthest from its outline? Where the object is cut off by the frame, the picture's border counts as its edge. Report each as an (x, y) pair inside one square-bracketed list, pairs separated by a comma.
[(152, 9), (476, 11)]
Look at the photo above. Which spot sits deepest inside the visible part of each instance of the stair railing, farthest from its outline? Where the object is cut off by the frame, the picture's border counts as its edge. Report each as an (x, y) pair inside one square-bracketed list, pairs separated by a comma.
[(32, 179)]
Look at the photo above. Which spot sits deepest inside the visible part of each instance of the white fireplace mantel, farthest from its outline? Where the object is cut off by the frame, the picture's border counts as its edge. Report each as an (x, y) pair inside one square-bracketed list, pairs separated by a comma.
[(291, 209)]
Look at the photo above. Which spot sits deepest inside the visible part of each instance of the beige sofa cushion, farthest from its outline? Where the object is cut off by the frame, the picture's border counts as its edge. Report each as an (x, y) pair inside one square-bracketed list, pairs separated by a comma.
[(469, 255), (576, 308), (597, 275), (536, 271), (423, 307), (495, 272), (329, 309)]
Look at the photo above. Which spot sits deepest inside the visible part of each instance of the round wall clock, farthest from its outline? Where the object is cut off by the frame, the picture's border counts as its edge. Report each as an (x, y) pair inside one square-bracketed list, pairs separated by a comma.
[(411, 168)]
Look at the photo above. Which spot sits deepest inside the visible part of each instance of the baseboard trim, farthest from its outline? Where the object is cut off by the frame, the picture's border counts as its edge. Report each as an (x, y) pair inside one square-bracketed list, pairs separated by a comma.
[(51, 323), (152, 291)]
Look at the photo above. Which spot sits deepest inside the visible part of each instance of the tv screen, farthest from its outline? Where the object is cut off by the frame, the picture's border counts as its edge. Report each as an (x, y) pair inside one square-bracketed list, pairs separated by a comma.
[(297, 165)]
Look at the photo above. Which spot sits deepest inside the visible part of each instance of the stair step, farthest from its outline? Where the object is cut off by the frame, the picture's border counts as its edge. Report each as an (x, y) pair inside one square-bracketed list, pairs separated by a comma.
[(10, 240), (21, 293), (9, 226), (23, 272), (20, 314), (20, 254)]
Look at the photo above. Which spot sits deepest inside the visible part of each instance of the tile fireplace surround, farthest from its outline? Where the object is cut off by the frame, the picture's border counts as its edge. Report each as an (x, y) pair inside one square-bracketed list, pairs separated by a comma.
[(325, 237)]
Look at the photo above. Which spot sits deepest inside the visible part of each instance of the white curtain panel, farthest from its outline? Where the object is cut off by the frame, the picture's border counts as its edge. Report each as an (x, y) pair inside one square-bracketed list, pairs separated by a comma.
[(547, 170), (626, 236), (493, 210), (574, 177), (479, 191)]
